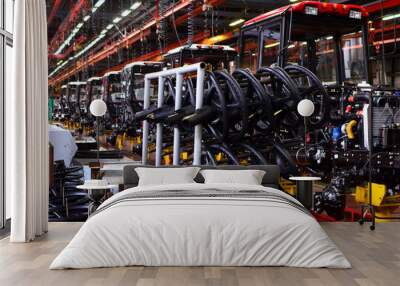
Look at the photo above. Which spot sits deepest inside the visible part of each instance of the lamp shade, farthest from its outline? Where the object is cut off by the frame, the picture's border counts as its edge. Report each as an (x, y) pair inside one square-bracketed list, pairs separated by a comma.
[(98, 108), (305, 107)]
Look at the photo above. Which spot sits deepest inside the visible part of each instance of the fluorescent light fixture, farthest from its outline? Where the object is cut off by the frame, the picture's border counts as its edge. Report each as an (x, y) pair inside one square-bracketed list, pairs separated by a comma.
[(104, 31), (99, 3), (136, 5), (117, 20), (94, 10), (291, 46), (126, 13), (391, 17), (109, 27), (310, 10), (271, 45), (87, 17), (236, 22), (79, 25), (292, 1), (329, 38)]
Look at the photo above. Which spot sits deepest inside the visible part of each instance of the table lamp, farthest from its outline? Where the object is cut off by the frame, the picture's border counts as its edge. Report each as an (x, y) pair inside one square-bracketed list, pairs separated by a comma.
[(98, 108), (305, 108)]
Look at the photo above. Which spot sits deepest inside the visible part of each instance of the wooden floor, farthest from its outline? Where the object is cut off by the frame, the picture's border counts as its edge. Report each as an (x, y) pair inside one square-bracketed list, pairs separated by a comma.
[(375, 257)]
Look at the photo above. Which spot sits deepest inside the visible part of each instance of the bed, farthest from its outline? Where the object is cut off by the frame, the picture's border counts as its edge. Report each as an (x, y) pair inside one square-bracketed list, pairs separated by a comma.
[(199, 224)]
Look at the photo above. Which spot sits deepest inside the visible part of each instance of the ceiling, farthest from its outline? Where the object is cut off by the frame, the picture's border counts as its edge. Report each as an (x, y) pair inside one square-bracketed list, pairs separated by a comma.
[(65, 15), (84, 41)]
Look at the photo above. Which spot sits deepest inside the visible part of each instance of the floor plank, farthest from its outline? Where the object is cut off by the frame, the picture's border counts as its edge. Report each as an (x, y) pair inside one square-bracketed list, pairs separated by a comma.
[(375, 257)]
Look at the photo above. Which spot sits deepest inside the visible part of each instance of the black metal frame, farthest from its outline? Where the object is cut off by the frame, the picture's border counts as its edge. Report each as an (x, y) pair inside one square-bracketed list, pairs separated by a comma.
[(286, 20), (178, 59), (89, 88), (130, 92)]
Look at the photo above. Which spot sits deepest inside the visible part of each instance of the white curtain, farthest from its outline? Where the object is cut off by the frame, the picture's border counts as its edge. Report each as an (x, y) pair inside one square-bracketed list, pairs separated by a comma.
[(26, 121)]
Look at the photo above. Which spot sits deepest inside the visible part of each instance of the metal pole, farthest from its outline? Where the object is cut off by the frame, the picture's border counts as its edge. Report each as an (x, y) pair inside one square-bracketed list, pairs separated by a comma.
[(159, 142), (98, 139), (178, 105), (370, 155), (145, 133), (305, 136), (198, 129)]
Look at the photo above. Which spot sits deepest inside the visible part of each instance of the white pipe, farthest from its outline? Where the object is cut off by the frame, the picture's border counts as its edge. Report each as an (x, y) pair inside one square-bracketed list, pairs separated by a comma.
[(178, 72), (178, 105), (159, 142), (145, 133), (181, 70), (198, 130)]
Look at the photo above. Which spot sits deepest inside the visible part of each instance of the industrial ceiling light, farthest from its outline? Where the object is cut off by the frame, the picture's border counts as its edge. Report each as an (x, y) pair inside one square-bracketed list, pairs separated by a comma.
[(99, 3), (391, 17), (117, 20), (126, 13), (271, 45), (109, 27), (236, 22), (78, 27), (136, 5)]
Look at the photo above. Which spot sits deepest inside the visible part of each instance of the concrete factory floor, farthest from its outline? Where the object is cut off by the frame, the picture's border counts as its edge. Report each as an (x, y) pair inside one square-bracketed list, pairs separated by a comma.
[(375, 257)]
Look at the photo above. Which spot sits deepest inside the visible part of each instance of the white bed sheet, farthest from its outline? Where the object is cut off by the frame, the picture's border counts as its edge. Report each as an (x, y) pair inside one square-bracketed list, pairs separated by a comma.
[(200, 232)]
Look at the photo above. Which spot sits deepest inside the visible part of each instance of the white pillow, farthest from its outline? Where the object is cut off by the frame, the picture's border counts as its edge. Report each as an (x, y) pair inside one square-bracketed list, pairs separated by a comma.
[(247, 177), (166, 176)]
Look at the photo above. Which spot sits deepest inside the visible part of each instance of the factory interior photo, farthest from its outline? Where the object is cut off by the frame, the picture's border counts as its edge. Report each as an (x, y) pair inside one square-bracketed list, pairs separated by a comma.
[(199, 142)]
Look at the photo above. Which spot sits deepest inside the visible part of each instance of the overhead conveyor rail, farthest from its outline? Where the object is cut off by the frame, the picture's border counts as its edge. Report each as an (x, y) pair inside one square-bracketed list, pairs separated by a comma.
[(178, 73)]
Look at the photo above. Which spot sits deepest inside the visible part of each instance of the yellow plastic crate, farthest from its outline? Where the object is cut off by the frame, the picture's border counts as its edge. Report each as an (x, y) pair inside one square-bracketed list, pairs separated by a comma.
[(378, 194)]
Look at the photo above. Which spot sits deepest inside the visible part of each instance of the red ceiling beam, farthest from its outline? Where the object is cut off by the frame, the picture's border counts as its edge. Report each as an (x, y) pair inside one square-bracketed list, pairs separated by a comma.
[(372, 8), (70, 49), (196, 11), (126, 41), (66, 25), (54, 11)]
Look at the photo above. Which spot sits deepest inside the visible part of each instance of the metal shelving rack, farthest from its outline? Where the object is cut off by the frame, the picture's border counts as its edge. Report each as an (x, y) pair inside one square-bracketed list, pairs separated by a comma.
[(369, 208)]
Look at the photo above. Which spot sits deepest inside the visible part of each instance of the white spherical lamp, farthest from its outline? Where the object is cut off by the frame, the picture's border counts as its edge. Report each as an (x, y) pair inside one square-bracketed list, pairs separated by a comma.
[(98, 108), (305, 108)]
